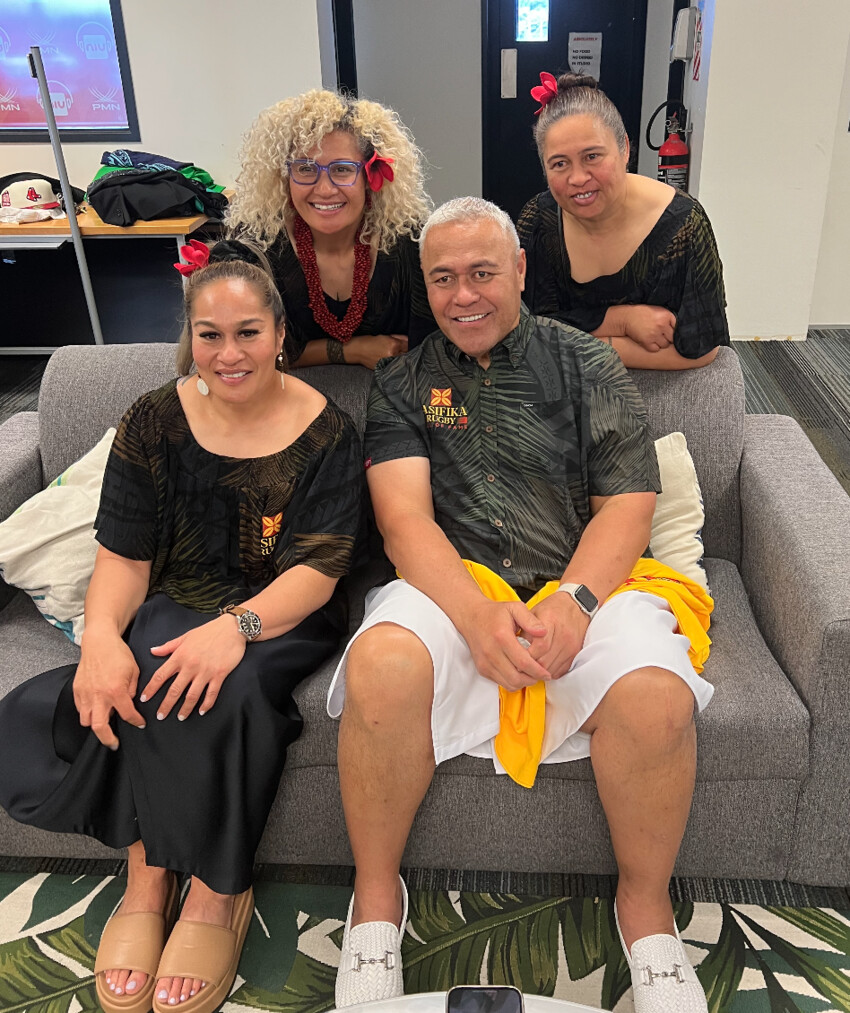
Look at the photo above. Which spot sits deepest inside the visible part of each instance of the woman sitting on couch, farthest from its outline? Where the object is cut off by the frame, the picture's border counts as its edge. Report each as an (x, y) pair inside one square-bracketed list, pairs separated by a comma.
[(230, 509)]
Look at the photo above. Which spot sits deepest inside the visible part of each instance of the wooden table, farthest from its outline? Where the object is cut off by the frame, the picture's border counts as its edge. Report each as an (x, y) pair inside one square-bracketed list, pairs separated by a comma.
[(52, 233), (91, 224)]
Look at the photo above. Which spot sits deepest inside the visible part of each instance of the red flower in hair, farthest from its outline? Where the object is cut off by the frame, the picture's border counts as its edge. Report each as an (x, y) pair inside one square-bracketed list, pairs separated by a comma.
[(378, 169), (545, 91), (198, 255)]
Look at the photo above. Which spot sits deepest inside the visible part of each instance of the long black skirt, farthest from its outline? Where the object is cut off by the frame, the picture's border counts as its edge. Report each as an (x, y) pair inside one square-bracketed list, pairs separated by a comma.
[(197, 792)]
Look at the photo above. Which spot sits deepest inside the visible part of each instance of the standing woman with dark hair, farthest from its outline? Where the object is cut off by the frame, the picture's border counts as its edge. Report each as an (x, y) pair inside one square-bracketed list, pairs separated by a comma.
[(626, 258), (332, 187), (230, 509)]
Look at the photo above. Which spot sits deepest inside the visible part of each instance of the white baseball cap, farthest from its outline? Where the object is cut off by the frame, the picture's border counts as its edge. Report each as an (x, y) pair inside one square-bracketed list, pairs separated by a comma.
[(29, 193)]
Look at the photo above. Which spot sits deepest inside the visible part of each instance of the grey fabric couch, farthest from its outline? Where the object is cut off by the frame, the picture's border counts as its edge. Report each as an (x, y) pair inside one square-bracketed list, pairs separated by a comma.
[(773, 785)]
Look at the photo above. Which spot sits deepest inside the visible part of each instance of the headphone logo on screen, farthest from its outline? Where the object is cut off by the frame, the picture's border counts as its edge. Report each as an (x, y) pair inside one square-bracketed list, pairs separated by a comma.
[(61, 98), (5, 43), (94, 41), (105, 100)]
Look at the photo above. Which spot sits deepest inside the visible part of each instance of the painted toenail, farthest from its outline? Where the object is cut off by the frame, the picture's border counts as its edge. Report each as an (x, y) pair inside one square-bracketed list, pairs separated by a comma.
[(182, 998), (119, 991), (163, 994), (131, 986), (172, 1001), (191, 993)]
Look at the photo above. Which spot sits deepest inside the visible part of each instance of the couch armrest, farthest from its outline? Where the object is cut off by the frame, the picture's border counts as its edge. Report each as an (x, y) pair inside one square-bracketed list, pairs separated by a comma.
[(20, 461), (796, 560)]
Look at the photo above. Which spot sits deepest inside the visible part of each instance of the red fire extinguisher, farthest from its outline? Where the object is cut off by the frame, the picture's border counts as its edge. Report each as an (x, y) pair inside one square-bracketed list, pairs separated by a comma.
[(674, 156)]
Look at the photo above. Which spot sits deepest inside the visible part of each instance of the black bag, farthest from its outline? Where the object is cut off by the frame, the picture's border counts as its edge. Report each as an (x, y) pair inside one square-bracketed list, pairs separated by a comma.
[(127, 195)]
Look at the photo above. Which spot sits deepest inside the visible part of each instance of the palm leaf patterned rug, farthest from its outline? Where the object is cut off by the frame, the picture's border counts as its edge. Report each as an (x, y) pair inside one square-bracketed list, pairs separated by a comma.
[(750, 958)]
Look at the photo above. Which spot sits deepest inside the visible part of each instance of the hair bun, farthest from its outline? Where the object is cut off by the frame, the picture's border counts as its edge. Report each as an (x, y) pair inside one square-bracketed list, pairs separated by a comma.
[(570, 80), (233, 249)]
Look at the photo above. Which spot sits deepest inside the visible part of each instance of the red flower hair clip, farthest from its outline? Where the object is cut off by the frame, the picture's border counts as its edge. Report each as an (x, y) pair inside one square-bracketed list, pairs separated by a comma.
[(198, 255), (545, 91), (378, 169)]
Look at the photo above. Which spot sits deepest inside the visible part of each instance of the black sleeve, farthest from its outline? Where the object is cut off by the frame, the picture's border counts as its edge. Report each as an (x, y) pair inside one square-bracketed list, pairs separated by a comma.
[(324, 522), (701, 316), (126, 521)]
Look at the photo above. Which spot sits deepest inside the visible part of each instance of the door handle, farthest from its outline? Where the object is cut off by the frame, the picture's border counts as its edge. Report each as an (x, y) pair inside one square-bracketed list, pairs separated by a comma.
[(508, 73)]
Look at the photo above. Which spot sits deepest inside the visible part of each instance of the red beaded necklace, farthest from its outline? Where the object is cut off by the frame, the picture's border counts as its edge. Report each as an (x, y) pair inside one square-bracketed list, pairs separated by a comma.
[(343, 329)]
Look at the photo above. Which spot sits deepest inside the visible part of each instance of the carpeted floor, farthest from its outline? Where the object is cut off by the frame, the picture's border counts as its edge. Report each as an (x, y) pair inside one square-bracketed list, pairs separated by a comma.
[(751, 958)]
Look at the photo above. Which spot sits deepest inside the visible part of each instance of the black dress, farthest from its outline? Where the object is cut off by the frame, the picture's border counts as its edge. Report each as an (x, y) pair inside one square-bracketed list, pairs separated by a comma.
[(396, 300), (677, 266), (218, 530)]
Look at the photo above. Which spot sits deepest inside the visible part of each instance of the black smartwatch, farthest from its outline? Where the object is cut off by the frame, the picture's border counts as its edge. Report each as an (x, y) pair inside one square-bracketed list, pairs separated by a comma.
[(583, 597)]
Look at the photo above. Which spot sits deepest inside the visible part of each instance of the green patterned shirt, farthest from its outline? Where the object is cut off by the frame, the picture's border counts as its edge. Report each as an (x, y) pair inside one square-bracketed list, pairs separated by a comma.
[(518, 449)]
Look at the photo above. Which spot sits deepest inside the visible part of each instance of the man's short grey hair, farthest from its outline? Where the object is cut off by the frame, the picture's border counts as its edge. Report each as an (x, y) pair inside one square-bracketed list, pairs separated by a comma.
[(470, 209)]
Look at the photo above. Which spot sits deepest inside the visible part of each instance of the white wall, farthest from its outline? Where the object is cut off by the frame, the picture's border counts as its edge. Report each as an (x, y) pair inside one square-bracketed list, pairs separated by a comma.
[(424, 60), (201, 73), (770, 106), (656, 70), (831, 297)]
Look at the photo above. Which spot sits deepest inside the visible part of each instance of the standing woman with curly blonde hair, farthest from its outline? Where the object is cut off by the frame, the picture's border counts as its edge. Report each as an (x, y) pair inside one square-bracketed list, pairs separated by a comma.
[(332, 186)]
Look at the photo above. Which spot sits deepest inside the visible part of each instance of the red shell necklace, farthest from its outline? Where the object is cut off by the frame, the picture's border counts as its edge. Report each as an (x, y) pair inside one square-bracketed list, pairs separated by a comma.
[(343, 329)]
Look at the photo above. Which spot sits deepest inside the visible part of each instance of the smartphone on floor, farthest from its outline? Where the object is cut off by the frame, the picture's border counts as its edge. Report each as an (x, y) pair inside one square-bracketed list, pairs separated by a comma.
[(484, 999)]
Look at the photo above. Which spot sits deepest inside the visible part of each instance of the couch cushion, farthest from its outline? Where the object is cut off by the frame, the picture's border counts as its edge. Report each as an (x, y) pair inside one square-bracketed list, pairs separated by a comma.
[(86, 389), (707, 405), (755, 728), (29, 645)]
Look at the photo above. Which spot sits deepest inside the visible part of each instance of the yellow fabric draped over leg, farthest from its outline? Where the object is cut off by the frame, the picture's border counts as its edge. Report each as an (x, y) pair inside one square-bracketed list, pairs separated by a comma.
[(522, 712)]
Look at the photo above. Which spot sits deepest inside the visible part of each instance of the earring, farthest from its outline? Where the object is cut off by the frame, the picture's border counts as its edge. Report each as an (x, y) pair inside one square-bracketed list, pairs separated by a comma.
[(282, 381), (281, 362), (202, 387)]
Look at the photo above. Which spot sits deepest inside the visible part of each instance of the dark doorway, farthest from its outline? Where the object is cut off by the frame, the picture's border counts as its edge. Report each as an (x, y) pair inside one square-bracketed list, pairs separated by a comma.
[(512, 172)]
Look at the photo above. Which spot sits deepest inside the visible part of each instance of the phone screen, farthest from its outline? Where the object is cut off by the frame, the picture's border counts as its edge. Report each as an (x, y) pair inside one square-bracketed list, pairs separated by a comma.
[(484, 999)]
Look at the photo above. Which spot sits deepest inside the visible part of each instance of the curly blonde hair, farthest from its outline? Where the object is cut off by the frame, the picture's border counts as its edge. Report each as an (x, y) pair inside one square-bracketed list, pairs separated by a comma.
[(262, 207)]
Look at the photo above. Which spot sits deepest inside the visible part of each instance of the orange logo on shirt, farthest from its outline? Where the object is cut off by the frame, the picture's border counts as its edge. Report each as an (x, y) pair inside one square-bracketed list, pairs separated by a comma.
[(271, 525), (441, 396)]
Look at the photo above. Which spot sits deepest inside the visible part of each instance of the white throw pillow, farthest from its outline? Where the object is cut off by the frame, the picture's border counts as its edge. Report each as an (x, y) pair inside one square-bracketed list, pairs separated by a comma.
[(47, 546), (676, 537)]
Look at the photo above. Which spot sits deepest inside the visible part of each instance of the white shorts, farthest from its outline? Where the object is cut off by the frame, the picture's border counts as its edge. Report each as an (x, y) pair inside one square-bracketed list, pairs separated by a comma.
[(630, 631)]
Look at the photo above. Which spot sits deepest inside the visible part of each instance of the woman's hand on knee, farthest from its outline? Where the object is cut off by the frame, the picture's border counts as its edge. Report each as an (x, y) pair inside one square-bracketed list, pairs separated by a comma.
[(106, 681), (198, 663)]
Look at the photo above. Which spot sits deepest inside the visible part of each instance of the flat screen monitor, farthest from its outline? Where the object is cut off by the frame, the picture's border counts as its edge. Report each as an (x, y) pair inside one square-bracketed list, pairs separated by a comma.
[(84, 53)]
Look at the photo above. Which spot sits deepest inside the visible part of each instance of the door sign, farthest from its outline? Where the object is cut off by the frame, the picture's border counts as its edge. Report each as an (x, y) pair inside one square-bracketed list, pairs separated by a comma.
[(585, 55)]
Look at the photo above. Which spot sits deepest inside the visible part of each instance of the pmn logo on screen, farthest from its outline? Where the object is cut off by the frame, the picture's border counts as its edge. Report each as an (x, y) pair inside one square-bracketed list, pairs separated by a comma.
[(5, 43), (7, 105), (94, 41), (45, 43), (60, 98), (105, 100)]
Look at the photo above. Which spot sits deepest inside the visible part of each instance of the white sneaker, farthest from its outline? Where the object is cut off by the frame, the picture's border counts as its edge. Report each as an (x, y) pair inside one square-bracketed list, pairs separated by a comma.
[(663, 980), (370, 961)]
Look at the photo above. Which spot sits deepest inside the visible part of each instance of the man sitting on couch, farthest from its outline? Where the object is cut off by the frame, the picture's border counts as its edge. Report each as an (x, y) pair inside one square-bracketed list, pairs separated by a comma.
[(505, 453)]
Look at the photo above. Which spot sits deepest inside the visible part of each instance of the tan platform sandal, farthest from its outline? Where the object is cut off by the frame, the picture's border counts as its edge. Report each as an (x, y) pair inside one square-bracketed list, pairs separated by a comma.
[(207, 952), (134, 942)]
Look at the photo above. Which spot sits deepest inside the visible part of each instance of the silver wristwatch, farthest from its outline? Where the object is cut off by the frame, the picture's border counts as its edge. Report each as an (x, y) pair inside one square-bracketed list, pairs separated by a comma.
[(249, 623), (583, 597)]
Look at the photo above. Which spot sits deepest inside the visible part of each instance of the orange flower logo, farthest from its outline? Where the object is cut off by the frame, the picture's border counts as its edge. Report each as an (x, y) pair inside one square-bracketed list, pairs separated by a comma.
[(441, 396), (271, 525)]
